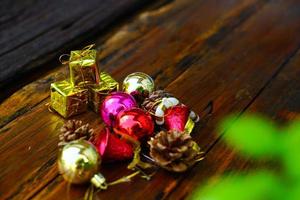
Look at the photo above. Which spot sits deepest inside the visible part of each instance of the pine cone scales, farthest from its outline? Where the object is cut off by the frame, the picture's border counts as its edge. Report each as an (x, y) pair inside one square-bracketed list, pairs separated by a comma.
[(74, 130), (174, 150), (150, 103)]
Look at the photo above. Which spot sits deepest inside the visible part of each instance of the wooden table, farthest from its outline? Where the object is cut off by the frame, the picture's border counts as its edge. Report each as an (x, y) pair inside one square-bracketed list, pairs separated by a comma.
[(242, 54)]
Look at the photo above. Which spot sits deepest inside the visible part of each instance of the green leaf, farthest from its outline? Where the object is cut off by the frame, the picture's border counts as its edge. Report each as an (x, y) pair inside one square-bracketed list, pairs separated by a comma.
[(259, 186), (294, 192), (291, 151), (252, 135)]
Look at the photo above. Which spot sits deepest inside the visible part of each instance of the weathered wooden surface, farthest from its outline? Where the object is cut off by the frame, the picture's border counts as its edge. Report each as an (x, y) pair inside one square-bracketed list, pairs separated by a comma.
[(34, 32), (281, 106), (243, 55)]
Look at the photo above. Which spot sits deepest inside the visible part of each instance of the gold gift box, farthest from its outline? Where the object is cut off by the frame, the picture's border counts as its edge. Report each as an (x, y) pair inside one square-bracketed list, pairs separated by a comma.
[(83, 68), (68, 100), (98, 92)]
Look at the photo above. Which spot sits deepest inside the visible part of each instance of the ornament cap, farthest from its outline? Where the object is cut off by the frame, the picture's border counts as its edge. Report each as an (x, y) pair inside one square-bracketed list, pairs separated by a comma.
[(99, 181)]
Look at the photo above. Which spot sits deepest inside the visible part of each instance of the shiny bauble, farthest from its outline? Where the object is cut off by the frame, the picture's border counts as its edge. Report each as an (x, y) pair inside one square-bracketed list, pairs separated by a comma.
[(139, 85), (177, 118), (115, 103), (78, 161), (111, 148), (135, 123)]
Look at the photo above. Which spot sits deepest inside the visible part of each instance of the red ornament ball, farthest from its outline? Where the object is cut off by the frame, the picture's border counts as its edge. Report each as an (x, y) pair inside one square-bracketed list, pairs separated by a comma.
[(134, 122)]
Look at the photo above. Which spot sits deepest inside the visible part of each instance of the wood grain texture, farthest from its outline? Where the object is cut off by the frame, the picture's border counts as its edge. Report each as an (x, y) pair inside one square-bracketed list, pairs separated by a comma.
[(235, 92), (10, 132), (279, 101), (121, 50), (38, 31), (230, 56)]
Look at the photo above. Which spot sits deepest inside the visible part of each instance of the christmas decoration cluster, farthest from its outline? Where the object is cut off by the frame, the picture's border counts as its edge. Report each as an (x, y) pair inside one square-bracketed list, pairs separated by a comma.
[(136, 117)]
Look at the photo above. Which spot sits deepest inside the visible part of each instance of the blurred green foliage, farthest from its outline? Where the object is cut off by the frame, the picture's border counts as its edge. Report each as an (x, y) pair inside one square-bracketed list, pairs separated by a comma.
[(258, 138)]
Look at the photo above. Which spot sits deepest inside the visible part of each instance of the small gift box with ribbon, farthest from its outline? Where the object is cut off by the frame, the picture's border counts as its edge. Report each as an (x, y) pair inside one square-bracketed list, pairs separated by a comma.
[(68, 100), (83, 67), (98, 92)]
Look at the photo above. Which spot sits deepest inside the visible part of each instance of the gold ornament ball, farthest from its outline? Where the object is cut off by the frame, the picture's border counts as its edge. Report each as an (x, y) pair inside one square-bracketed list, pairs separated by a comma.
[(78, 161), (138, 83)]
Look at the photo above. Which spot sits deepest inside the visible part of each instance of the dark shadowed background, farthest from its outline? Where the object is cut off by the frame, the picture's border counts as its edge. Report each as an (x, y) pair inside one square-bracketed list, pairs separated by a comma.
[(35, 32)]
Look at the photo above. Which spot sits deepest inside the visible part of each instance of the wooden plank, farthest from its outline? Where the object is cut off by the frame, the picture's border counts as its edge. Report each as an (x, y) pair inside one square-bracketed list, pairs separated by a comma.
[(39, 31), (279, 101), (266, 35), (32, 169), (40, 172), (148, 28)]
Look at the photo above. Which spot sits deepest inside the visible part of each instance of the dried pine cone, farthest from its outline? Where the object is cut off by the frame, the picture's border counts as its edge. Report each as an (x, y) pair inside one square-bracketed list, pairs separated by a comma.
[(174, 150), (150, 103), (75, 130)]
